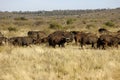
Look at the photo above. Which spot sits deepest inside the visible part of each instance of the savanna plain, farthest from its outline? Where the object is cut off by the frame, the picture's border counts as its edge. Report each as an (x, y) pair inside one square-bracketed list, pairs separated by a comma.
[(42, 62)]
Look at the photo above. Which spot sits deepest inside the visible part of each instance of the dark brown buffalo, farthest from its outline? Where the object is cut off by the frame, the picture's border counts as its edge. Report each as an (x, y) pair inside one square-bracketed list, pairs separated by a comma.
[(44, 40), (22, 41), (103, 31), (11, 40), (39, 40), (89, 38), (118, 31), (57, 40), (75, 32), (118, 36), (77, 37), (67, 35), (86, 38), (37, 34), (107, 40), (3, 40), (60, 37)]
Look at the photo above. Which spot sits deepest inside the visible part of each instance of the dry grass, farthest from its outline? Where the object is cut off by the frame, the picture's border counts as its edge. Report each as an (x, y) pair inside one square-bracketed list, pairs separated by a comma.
[(69, 63)]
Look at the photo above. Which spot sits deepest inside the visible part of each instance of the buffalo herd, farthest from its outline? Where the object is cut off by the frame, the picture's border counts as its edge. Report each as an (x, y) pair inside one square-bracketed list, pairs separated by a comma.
[(102, 41)]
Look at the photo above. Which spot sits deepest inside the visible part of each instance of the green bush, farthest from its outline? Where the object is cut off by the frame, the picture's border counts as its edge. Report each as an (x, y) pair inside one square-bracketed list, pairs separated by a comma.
[(12, 29), (70, 21), (55, 26), (109, 23)]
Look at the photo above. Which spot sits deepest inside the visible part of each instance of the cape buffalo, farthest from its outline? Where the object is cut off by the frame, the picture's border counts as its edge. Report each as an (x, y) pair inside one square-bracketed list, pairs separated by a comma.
[(22, 41), (103, 31), (107, 40), (37, 34), (86, 38), (59, 37)]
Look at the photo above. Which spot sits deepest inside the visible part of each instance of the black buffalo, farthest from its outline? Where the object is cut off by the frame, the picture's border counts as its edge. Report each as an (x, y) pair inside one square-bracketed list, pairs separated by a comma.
[(103, 31), (86, 38), (21, 41), (57, 40), (107, 40), (37, 34), (44, 40), (118, 31), (60, 37)]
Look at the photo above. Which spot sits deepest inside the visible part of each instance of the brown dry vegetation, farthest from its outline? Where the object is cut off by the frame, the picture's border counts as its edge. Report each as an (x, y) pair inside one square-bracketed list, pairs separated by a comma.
[(41, 62), (70, 63)]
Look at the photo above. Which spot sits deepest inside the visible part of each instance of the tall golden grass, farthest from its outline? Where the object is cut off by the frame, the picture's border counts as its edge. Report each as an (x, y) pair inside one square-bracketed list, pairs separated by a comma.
[(39, 62)]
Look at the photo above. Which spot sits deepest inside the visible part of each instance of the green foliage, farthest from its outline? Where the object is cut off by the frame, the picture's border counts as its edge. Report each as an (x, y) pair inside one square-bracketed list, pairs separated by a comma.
[(55, 26), (12, 29), (70, 21), (109, 23), (20, 18)]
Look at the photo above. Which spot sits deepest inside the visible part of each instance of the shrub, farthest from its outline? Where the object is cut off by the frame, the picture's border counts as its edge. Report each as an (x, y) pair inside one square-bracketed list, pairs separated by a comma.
[(12, 29), (55, 26), (70, 21), (84, 22), (20, 18), (109, 23)]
